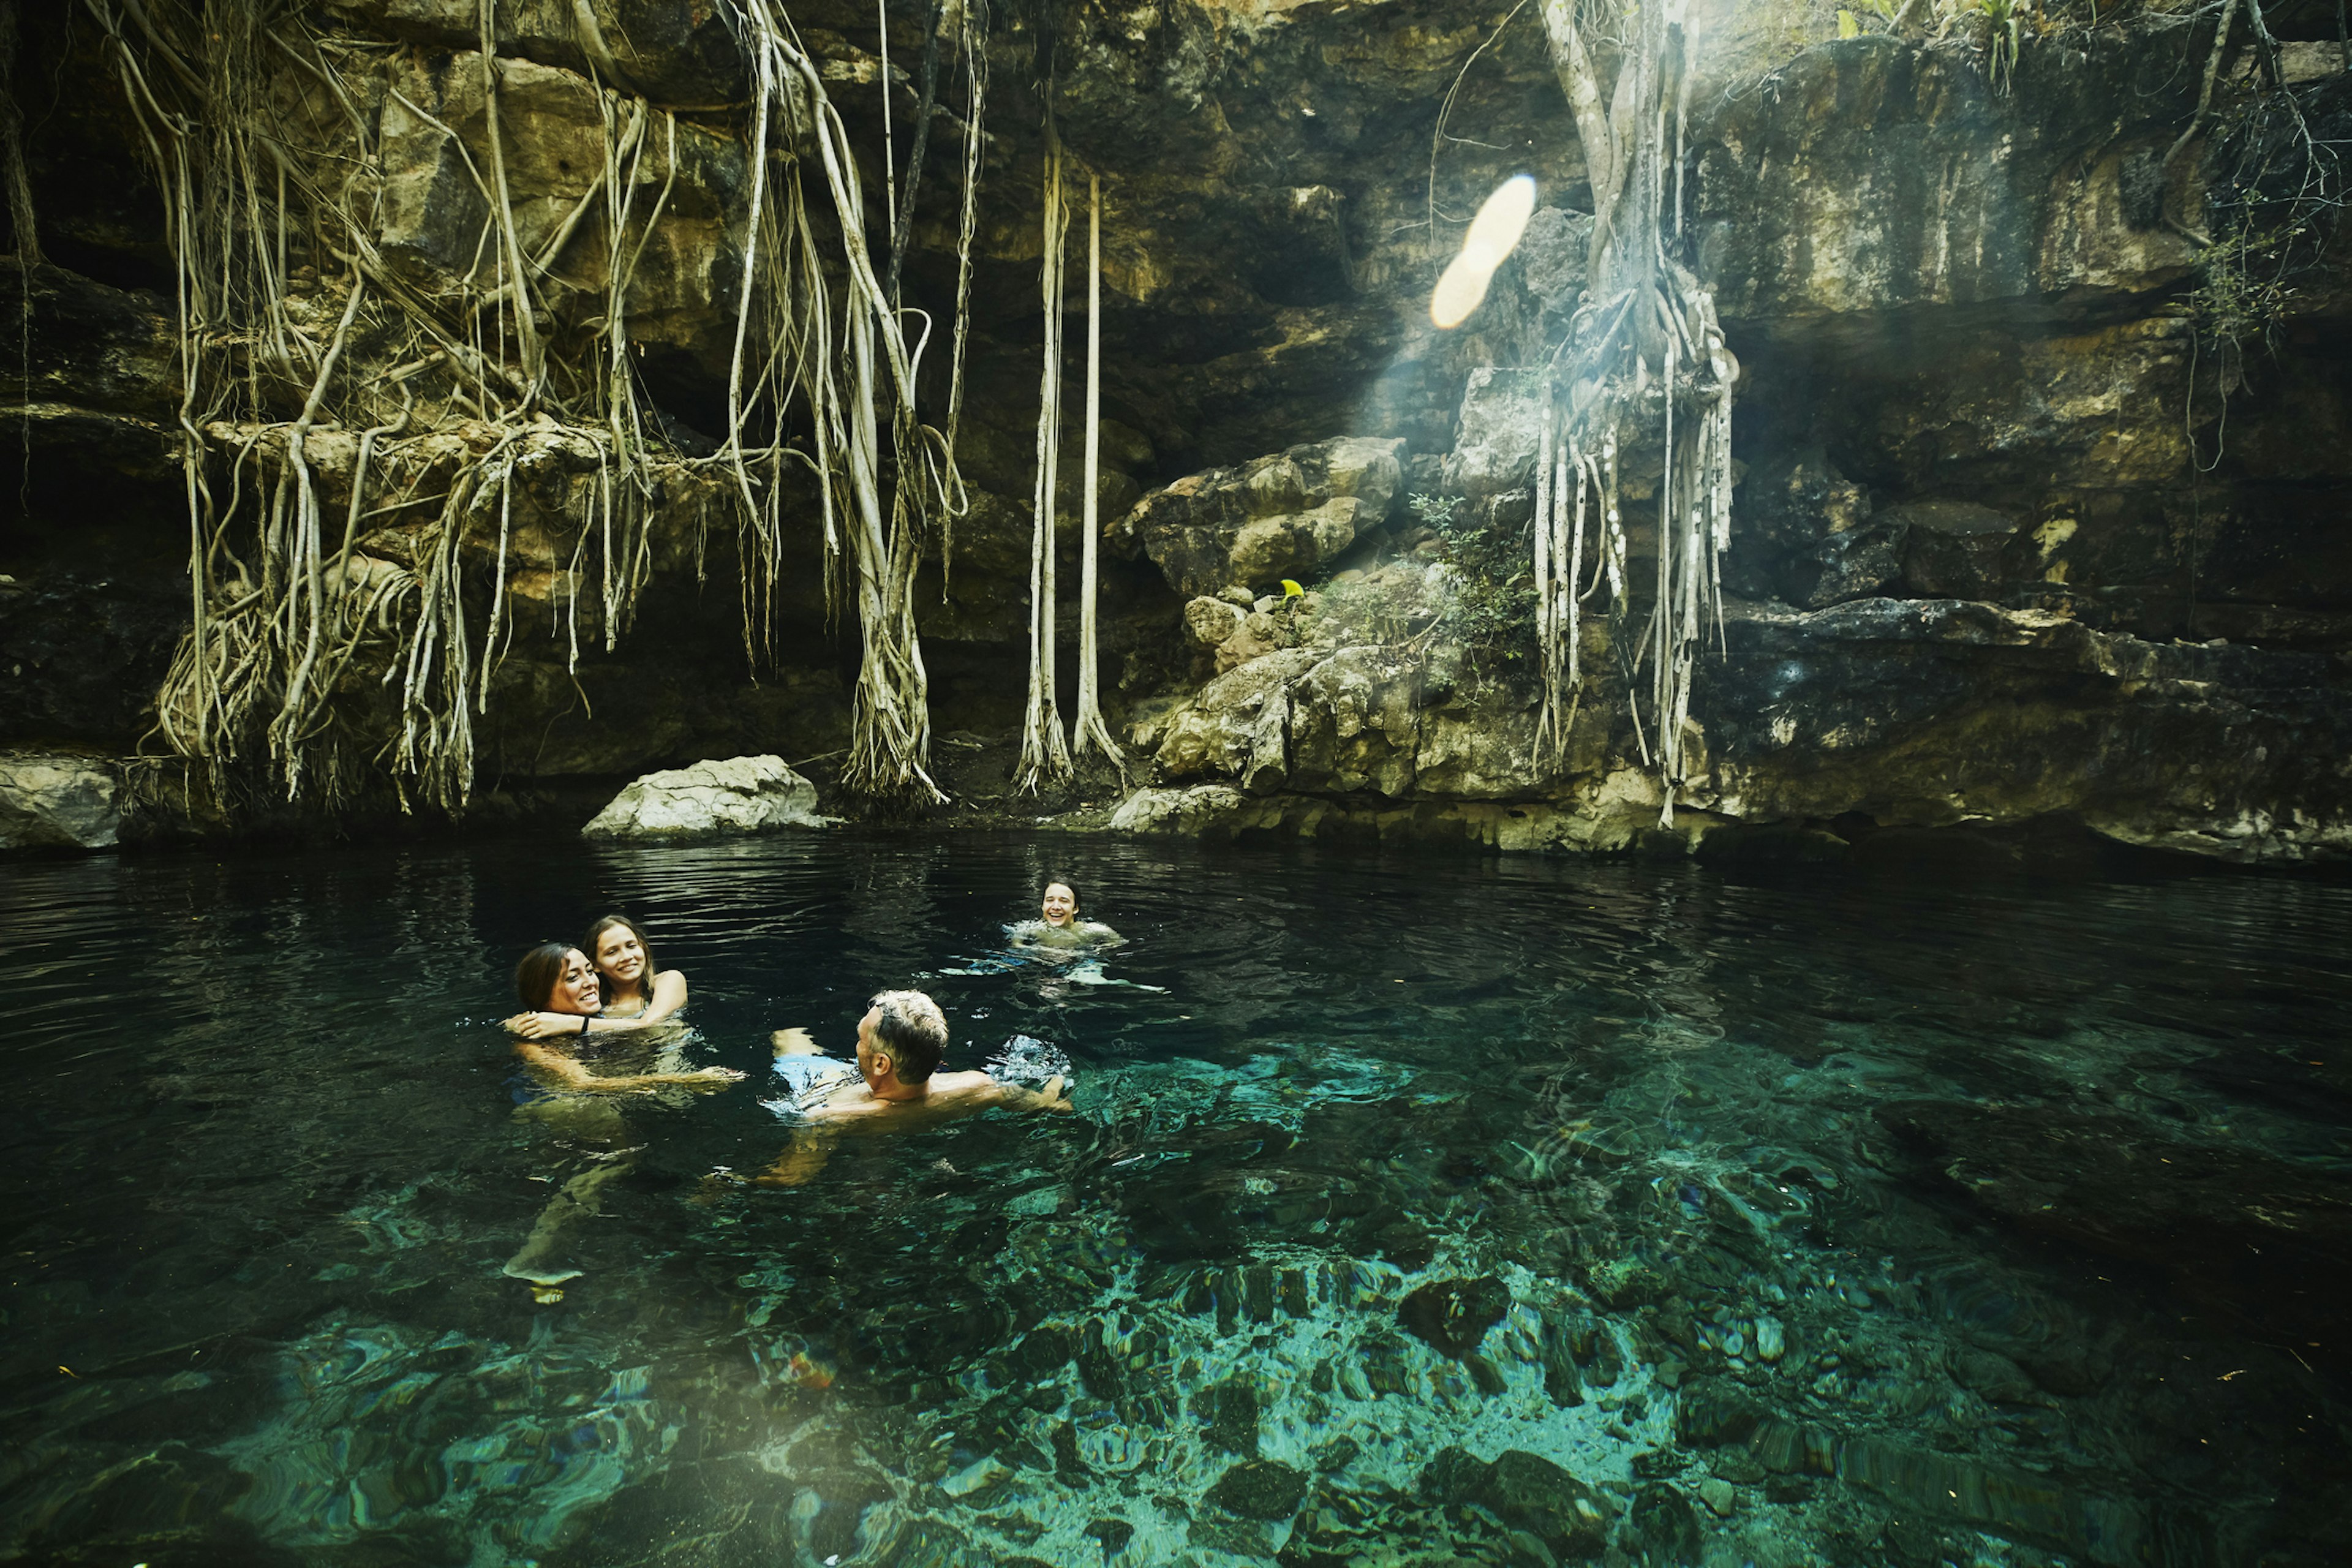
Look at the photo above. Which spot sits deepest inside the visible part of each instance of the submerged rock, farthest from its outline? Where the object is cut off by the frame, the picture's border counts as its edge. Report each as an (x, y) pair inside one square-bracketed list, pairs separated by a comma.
[(1451, 1316), (1526, 1492), (741, 794), (1259, 1489), (1664, 1529), (2232, 1224), (52, 801), (1959, 1488)]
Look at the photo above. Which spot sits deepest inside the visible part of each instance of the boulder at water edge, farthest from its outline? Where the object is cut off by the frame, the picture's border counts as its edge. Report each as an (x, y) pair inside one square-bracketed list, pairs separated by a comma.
[(741, 794), (51, 801)]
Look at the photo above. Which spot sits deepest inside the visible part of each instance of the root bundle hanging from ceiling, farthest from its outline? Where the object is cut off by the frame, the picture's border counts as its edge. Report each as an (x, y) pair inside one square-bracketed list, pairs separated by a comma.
[(481, 421)]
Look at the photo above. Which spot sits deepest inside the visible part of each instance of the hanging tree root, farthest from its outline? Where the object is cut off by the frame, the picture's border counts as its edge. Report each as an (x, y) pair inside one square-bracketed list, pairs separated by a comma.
[(501, 434), (1044, 755), (1088, 728), (1644, 369)]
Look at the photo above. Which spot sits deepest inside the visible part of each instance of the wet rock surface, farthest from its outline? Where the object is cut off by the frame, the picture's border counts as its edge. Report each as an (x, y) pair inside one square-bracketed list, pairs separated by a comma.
[(741, 794), (1525, 1492), (1259, 1489), (1451, 1316), (54, 800)]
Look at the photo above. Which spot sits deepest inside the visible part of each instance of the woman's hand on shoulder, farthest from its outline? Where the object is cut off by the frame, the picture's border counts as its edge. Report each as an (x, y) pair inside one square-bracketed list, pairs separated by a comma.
[(667, 997)]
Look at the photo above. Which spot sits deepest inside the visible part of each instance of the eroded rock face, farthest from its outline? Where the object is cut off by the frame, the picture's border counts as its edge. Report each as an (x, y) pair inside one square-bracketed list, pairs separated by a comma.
[(677, 51), (1283, 516), (742, 794), (1915, 712), (1956, 196), (1956, 711), (435, 134)]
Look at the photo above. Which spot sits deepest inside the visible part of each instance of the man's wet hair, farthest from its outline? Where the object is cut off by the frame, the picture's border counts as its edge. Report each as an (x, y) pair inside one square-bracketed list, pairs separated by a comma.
[(913, 1031)]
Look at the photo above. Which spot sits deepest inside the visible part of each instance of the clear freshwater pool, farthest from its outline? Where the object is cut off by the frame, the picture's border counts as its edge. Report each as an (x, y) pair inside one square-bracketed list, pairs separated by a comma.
[(1436, 1211)]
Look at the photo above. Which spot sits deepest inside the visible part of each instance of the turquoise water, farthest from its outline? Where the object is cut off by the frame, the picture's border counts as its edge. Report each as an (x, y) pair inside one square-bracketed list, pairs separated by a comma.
[(1435, 1210)]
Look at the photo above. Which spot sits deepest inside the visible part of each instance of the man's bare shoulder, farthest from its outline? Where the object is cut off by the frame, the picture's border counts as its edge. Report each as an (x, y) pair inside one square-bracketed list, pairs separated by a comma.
[(850, 1102)]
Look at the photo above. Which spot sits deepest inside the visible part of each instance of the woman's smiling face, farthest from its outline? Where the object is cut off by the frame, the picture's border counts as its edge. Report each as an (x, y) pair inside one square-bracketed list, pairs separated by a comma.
[(1061, 904), (577, 991), (620, 956)]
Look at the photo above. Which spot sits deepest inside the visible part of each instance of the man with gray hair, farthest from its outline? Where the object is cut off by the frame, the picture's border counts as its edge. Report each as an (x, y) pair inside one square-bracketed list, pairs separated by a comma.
[(897, 1084)]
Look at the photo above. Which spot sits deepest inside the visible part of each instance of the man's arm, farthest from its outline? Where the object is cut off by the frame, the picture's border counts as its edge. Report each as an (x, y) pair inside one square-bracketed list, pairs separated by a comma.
[(568, 1071)]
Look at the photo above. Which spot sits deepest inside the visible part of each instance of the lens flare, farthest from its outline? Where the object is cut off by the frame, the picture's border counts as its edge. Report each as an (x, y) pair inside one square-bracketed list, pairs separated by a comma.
[(1494, 235), (1462, 289), (1494, 232)]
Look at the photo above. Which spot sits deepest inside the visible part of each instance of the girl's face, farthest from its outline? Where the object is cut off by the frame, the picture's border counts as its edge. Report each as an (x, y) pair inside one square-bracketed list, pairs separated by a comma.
[(1061, 904), (577, 991), (621, 957)]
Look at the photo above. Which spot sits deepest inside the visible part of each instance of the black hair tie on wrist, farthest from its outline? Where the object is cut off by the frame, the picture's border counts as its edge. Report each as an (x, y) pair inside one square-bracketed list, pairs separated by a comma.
[(584, 1019)]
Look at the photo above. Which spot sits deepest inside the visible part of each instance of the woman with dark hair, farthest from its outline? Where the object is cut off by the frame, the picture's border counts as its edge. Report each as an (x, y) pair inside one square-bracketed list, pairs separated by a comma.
[(565, 996), (637, 994)]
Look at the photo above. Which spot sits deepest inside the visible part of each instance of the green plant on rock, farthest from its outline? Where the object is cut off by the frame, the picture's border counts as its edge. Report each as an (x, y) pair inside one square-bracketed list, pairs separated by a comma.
[(1491, 612), (2274, 201), (2243, 293), (1433, 512), (2003, 32), (1997, 28)]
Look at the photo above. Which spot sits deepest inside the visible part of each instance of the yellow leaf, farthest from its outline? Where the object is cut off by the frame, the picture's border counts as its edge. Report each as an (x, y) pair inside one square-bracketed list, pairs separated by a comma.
[(1849, 25), (1291, 590)]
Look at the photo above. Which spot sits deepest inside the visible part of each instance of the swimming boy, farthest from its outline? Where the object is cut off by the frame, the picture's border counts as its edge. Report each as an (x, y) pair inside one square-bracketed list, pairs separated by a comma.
[(895, 1084)]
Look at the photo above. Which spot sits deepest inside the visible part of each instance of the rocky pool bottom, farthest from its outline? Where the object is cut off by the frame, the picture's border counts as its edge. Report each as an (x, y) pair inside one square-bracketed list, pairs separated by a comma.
[(1437, 1210)]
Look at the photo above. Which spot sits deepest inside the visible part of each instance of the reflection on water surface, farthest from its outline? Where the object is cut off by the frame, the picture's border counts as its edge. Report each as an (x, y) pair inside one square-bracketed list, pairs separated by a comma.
[(1435, 1211)]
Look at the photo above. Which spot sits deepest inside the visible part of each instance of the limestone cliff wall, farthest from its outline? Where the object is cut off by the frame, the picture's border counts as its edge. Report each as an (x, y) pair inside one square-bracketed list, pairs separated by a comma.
[(2009, 542)]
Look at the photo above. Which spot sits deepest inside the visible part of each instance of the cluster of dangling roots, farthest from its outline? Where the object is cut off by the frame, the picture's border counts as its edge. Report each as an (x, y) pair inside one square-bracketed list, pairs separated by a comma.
[(1045, 757), (492, 418), (1643, 372)]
